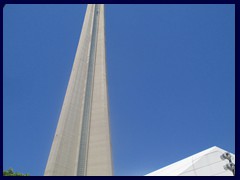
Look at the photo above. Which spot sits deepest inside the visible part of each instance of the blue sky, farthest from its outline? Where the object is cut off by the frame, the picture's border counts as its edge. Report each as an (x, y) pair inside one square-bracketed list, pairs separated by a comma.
[(171, 81)]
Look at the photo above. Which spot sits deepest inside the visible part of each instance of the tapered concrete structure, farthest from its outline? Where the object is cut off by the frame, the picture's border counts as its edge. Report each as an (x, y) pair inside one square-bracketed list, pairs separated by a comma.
[(81, 145)]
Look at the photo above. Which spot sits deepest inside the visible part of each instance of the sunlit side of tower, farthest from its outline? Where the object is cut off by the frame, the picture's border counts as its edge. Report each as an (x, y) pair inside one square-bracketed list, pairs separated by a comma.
[(81, 145)]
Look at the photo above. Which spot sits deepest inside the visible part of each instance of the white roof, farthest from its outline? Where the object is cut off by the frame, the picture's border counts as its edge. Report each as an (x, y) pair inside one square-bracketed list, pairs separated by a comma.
[(204, 163)]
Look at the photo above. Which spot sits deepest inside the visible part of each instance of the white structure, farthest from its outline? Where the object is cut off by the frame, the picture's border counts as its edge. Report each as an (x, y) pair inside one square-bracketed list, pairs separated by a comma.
[(210, 162), (81, 145)]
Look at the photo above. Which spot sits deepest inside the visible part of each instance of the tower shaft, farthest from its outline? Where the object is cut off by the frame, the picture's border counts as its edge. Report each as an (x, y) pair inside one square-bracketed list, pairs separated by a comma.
[(81, 144)]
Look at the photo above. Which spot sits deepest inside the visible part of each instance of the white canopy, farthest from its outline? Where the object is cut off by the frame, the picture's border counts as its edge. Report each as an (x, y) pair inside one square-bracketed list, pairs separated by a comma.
[(205, 163)]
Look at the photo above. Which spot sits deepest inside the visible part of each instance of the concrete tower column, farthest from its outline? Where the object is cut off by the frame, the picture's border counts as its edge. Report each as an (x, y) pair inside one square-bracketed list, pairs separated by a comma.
[(81, 145)]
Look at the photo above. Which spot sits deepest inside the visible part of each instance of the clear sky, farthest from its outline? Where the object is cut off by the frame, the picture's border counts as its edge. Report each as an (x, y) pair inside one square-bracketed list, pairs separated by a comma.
[(171, 81)]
